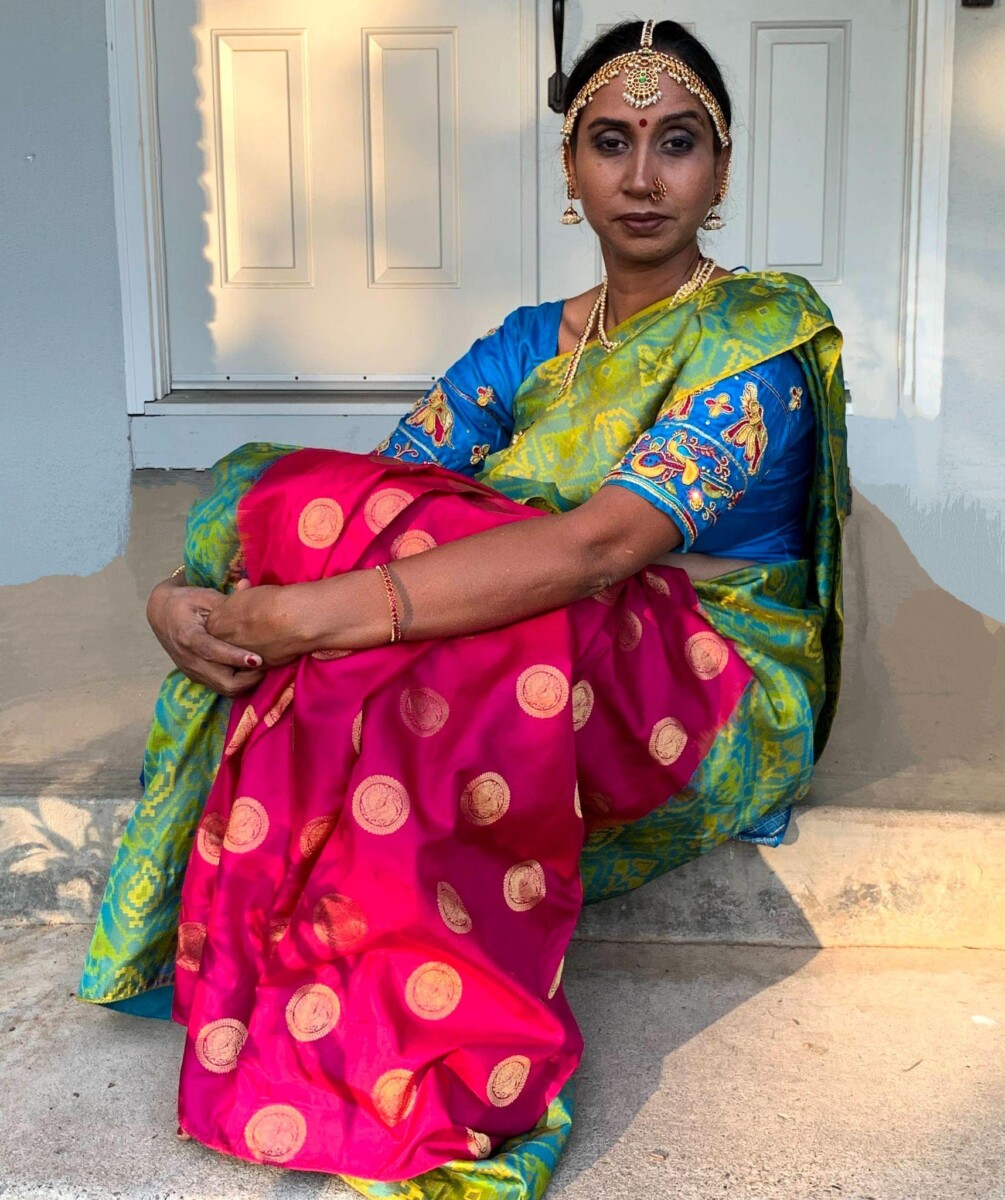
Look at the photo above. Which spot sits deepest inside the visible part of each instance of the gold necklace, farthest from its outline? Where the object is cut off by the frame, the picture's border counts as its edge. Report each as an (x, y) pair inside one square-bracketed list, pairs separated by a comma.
[(699, 277)]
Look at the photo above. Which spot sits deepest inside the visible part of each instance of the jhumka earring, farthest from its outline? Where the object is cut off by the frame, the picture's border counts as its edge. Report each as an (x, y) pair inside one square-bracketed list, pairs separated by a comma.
[(713, 221), (570, 216)]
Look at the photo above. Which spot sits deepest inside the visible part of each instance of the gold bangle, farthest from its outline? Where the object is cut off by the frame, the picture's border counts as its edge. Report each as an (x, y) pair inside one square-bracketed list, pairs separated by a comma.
[(177, 571), (392, 600)]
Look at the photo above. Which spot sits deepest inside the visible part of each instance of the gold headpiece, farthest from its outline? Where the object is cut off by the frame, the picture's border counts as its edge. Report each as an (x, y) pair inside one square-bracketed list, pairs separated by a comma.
[(642, 69)]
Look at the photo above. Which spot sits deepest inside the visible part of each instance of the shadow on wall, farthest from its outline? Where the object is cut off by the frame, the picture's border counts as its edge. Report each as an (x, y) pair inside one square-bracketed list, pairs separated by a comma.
[(921, 724)]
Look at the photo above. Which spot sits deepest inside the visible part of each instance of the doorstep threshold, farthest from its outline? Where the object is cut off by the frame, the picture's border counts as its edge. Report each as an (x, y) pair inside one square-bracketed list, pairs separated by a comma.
[(235, 403)]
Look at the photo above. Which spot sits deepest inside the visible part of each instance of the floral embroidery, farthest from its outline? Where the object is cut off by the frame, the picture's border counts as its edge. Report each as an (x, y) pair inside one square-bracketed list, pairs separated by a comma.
[(795, 398), (480, 453), (749, 432), (702, 468), (486, 396), (678, 407), (382, 446), (718, 405), (403, 451), (433, 415)]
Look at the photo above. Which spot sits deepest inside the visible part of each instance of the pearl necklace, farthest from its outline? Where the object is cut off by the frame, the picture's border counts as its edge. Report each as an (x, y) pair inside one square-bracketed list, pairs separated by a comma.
[(598, 313)]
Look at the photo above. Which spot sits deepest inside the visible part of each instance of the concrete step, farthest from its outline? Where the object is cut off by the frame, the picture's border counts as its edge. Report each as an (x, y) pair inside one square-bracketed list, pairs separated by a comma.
[(843, 877), (710, 1071)]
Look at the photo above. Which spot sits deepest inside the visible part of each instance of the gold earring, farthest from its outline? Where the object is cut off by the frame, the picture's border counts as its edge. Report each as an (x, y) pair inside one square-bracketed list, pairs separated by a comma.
[(570, 216), (713, 221)]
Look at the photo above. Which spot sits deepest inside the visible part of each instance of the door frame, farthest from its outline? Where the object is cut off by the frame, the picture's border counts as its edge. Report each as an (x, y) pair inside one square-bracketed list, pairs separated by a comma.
[(139, 222)]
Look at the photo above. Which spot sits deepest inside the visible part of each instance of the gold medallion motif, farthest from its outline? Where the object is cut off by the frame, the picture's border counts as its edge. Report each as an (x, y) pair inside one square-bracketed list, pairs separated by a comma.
[(219, 1043), (191, 940), (276, 1133), (582, 704), (433, 991), (424, 711), (542, 691), (657, 583), (277, 931), (455, 916), (248, 826), (312, 1011), (380, 804), (393, 1095), (357, 732), (608, 595), (280, 706), (507, 1080), (248, 721), (209, 838), (524, 885), (383, 506), (412, 541), (329, 655), (320, 523), (315, 833), (597, 802), (707, 654), (339, 922), (667, 741), (557, 981), (479, 1144), (629, 631), (485, 799)]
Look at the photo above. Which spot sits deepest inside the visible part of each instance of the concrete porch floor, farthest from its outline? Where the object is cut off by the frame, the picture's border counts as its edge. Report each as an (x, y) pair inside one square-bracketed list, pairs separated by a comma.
[(735, 1072)]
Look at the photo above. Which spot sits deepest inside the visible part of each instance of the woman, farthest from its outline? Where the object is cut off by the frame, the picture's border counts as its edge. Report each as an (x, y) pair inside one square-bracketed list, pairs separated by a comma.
[(637, 598)]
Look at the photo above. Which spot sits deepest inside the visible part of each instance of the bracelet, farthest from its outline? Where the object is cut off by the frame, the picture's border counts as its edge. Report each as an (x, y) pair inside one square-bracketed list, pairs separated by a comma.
[(392, 600), (177, 571)]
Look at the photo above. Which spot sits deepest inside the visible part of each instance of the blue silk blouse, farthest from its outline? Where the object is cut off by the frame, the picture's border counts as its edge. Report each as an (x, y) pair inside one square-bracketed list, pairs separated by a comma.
[(749, 440)]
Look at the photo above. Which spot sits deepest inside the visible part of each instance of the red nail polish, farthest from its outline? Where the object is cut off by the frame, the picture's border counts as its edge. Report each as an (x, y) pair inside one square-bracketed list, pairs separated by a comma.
[(253, 660)]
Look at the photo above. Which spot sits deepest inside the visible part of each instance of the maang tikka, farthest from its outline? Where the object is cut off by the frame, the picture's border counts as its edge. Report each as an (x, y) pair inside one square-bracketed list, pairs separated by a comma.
[(642, 69)]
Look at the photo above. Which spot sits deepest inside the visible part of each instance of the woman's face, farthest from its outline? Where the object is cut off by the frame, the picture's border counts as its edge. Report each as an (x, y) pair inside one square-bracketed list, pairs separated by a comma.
[(620, 154)]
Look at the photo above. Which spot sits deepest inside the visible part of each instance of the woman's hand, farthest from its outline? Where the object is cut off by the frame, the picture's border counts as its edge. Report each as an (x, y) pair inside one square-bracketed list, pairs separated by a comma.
[(178, 616), (266, 620)]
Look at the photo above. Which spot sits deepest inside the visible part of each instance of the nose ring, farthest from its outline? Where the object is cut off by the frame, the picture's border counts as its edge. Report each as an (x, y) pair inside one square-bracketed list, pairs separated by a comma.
[(659, 191)]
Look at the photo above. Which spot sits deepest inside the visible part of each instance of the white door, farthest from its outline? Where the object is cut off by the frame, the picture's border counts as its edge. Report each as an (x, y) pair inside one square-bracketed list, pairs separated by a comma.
[(341, 186), (820, 92)]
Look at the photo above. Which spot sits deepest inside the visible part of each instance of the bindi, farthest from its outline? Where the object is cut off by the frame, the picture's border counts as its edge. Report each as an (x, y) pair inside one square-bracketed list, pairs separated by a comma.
[(643, 123)]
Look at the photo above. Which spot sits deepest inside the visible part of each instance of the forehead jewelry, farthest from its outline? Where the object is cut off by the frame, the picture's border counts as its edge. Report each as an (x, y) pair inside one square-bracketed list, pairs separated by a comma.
[(642, 69)]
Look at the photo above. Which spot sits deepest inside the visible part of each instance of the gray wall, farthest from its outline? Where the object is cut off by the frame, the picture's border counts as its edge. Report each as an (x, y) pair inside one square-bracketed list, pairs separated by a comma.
[(942, 482), (64, 450)]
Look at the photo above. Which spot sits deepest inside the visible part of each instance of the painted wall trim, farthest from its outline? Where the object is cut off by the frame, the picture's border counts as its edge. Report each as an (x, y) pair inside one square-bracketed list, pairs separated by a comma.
[(924, 290), (136, 183)]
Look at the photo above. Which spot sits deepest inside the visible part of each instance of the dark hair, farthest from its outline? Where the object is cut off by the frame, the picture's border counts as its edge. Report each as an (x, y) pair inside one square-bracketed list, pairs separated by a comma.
[(670, 37)]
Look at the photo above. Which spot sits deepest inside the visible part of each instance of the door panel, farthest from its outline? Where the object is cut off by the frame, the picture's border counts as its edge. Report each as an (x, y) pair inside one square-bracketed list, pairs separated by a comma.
[(342, 185)]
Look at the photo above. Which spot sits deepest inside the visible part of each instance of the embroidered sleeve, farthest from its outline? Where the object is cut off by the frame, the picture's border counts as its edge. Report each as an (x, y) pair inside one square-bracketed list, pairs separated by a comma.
[(467, 414), (706, 450)]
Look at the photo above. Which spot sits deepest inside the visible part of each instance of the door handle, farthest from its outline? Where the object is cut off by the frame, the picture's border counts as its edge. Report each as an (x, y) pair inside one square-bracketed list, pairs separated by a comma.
[(556, 84)]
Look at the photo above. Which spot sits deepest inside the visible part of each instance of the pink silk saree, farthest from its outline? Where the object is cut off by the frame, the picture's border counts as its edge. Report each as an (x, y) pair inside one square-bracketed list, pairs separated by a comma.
[(386, 876)]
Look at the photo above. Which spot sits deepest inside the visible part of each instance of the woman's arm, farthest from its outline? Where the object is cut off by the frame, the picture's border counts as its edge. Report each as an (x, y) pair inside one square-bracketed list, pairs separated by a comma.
[(479, 582)]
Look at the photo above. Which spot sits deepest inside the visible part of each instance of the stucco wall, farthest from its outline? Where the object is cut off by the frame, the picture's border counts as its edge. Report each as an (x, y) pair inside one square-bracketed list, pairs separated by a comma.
[(942, 482), (64, 450)]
